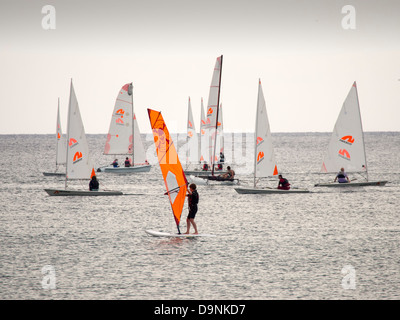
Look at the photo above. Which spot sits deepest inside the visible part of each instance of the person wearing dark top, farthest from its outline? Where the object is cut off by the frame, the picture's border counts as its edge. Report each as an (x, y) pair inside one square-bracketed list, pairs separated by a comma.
[(283, 183), (127, 163), (94, 184), (193, 198), (115, 163), (205, 166)]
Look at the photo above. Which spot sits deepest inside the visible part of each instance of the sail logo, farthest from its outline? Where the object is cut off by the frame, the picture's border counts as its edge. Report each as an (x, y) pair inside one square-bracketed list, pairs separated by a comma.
[(259, 140), (260, 157), (119, 121), (203, 122), (343, 153), (210, 111), (77, 157), (190, 125), (58, 136), (347, 139), (72, 142), (203, 132), (119, 112), (190, 134)]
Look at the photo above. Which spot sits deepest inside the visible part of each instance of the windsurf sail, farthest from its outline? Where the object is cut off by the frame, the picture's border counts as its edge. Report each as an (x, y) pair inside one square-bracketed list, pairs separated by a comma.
[(213, 110), (264, 158), (171, 168), (346, 148)]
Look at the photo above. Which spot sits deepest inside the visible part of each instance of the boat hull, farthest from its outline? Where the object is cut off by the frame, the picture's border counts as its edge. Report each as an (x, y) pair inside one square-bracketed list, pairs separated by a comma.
[(54, 174), (134, 169), (351, 184), (63, 192), (197, 172), (269, 191)]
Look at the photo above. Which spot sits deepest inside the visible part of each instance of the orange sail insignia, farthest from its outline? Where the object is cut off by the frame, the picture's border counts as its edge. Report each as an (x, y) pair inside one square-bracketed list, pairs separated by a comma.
[(171, 168)]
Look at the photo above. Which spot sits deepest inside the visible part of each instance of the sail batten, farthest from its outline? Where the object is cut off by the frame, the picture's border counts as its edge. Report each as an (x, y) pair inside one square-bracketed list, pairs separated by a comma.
[(171, 168)]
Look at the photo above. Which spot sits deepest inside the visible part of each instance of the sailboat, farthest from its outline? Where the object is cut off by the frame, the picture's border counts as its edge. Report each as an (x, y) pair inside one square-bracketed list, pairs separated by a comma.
[(346, 148), (192, 145), (212, 122), (264, 158), (124, 136), (61, 147), (78, 164), (172, 172)]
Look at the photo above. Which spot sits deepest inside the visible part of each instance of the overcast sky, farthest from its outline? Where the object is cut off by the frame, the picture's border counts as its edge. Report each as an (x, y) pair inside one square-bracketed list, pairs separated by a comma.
[(305, 58)]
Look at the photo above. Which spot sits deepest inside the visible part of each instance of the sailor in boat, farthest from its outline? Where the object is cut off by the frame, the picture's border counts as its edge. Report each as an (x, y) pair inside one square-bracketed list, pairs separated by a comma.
[(94, 184), (230, 174), (283, 183), (205, 166), (127, 162), (342, 177), (193, 198), (115, 163)]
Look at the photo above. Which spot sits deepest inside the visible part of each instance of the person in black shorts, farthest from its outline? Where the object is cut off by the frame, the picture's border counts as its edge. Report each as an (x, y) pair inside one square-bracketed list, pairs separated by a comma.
[(193, 198)]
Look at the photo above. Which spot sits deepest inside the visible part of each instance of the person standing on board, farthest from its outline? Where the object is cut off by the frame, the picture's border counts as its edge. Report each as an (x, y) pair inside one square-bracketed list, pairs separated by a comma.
[(283, 183), (342, 177), (193, 198), (94, 184)]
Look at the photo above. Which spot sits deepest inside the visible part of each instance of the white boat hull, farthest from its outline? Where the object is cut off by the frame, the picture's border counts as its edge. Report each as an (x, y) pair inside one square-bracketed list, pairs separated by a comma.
[(134, 169), (351, 184), (63, 192), (269, 191), (197, 172), (55, 174)]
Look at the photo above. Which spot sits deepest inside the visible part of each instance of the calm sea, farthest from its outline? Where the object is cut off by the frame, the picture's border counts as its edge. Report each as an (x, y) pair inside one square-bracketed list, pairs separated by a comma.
[(329, 244)]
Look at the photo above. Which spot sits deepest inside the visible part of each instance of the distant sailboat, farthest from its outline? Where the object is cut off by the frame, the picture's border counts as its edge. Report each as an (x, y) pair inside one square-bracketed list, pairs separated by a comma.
[(124, 136), (346, 148), (212, 123), (78, 162), (61, 147), (264, 158)]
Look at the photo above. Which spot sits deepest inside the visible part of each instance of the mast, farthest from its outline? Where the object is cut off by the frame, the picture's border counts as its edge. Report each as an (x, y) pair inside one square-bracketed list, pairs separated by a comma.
[(130, 89), (362, 130), (216, 122), (68, 130), (255, 134), (57, 130)]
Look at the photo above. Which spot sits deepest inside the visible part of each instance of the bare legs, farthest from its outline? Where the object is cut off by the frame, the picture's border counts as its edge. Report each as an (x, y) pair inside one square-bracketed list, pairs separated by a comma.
[(188, 223)]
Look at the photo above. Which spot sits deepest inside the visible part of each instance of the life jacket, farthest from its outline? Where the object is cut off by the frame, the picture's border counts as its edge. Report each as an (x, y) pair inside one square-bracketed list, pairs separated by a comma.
[(284, 182), (205, 167), (127, 163), (341, 175), (194, 198)]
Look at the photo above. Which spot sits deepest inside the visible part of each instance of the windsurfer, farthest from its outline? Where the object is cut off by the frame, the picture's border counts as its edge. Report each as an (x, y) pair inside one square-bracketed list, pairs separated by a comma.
[(342, 177), (283, 183), (193, 198)]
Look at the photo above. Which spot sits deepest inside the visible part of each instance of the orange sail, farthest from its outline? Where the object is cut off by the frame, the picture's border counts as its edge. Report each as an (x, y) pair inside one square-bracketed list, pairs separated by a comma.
[(171, 168)]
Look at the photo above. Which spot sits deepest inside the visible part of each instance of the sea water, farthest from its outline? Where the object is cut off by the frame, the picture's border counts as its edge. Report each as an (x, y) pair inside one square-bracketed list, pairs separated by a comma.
[(328, 244)]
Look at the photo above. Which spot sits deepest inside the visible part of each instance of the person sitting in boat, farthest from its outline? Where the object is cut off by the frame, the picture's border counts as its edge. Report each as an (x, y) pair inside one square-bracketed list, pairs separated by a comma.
[(230, 174), (342, 177), (221, 157), (220, 167), (94, 184), (205, 166), (115, 163), (127, 162), (283, 183)]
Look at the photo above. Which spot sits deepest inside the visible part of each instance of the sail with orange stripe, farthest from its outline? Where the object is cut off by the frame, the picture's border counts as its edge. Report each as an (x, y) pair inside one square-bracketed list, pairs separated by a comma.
[(264, 158), (171, 168)]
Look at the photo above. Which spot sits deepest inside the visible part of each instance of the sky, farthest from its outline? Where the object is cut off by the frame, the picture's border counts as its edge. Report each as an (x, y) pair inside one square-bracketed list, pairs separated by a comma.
[(307, 54)]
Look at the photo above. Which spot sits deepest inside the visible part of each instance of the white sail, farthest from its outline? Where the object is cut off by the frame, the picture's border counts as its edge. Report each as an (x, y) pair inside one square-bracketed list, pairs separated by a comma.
[(192, 144), (139, 153), (61, 150), (264, 158), (203, 136), (79, 165), (119, 138), (346, 147), (212, 109)]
